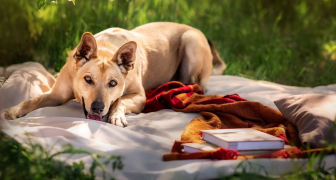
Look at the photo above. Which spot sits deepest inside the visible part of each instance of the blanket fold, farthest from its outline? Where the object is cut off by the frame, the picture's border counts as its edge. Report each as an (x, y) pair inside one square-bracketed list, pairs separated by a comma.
[(219, 112)]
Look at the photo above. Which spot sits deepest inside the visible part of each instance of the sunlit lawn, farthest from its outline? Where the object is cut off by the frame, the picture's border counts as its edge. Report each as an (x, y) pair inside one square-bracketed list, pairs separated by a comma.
[(291, 42)]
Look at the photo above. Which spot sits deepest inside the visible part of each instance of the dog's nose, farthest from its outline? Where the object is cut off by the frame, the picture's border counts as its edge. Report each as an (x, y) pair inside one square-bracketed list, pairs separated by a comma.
[(97, 107)]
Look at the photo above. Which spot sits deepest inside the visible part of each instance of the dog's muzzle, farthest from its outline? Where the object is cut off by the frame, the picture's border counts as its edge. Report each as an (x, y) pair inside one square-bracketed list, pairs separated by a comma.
[(91, 116)]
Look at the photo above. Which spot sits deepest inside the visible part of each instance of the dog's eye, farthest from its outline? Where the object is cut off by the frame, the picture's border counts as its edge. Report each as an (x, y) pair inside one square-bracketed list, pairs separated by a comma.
[(88, 79), (113, 83)]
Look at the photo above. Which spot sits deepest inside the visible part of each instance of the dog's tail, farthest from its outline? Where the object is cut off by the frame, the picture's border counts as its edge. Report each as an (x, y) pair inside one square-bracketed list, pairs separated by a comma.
[(217, 62)]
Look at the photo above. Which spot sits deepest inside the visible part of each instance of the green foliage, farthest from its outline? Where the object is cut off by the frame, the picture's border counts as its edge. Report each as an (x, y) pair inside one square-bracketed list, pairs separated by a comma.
[(40, 3), (289, 41), (286, 41), (248, 171), (35, 162), (311, 172)]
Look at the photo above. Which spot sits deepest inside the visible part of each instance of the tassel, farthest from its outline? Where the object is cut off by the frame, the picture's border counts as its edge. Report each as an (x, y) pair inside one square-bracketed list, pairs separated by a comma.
[(224, 154)]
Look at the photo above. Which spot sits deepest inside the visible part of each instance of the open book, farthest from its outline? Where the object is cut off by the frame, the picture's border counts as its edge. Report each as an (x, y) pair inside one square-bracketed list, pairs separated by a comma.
[(242, 139)]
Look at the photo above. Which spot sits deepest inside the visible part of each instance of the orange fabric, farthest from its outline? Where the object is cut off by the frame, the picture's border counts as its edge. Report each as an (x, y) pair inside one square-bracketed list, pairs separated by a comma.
[(245, 114), (221, 112), (240, 114)]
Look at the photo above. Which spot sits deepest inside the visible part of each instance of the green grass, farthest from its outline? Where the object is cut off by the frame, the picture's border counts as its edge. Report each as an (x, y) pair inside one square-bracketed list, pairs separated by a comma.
[(315, 170), (291, 42), (35, 162), (287, 41)]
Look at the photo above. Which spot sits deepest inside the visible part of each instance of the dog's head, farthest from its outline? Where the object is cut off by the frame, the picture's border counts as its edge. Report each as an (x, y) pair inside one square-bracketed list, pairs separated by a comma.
[(101, 70)]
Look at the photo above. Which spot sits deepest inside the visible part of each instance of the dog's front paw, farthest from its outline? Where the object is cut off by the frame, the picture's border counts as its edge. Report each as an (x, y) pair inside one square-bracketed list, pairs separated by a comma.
[(118, 119), (11, 113)]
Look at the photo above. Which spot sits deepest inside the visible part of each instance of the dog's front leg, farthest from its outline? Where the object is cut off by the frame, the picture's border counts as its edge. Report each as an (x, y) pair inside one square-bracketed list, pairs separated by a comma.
[(25, 107), (60, 94), (132, 103)]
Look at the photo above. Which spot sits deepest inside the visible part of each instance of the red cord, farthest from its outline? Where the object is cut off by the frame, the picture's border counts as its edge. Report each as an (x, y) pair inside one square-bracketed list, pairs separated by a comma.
[(285, 154)]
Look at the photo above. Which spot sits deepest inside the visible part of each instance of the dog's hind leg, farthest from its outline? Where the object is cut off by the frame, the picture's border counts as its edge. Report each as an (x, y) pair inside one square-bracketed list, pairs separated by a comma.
[(196, 58)]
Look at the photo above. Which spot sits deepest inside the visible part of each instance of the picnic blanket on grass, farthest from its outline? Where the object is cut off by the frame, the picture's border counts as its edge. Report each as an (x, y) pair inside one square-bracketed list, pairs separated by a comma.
[(148, 136)]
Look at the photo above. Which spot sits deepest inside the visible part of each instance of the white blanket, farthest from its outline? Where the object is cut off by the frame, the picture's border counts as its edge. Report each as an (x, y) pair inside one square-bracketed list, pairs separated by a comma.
[(148, 136)]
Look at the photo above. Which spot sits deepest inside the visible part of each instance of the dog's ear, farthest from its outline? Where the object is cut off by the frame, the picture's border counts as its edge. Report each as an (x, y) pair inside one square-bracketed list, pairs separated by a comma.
[(125, 56), (87, 48)]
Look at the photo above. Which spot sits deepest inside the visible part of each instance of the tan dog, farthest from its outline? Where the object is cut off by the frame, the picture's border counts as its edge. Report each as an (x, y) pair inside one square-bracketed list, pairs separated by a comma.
[(108, 73)]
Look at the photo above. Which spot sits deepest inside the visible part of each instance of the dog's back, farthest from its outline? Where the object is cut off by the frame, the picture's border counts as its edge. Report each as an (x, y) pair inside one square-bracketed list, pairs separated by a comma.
[(178, 52), (162, 42)]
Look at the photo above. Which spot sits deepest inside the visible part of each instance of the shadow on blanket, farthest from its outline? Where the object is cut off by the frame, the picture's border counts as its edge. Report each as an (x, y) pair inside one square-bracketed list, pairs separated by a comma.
[(221, 112)]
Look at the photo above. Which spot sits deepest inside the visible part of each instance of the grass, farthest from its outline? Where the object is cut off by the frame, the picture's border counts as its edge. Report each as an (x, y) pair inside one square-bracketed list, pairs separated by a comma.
[(291, 42), (314, 170), (35, 162)]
